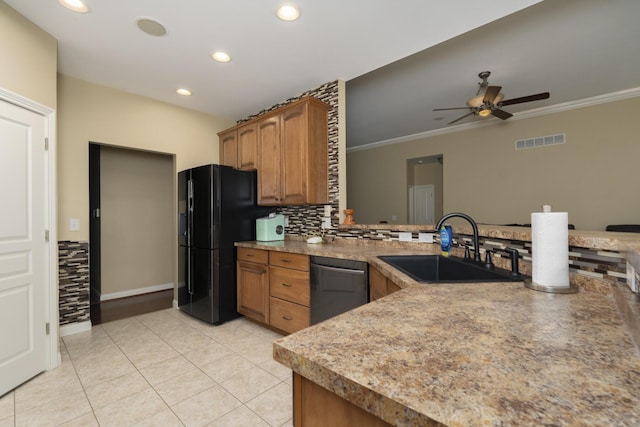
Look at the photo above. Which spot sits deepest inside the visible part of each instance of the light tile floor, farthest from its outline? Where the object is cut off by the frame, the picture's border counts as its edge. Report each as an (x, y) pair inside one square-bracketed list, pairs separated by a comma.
[(159, 369)]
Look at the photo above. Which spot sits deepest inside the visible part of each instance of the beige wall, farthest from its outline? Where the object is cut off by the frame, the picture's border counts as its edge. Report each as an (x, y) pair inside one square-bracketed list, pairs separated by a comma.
[(89, 112), (591, 176), (28, 57), (136, 219)]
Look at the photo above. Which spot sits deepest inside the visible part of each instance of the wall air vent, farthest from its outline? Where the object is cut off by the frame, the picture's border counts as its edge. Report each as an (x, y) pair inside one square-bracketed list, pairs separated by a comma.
[(540, 141)]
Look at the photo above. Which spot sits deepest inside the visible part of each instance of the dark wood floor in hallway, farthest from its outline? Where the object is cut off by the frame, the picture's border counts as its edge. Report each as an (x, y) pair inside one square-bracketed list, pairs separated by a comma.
[(122, 308)]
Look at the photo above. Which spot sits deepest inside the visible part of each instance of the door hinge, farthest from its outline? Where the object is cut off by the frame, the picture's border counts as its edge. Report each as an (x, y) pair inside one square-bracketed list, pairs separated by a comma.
[(96, 213), (47, 328), (46, 235), (46, 143)]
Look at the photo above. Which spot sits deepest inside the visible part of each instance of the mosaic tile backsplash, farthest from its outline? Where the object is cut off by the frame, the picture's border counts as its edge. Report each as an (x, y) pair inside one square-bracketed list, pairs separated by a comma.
[(606, 266), (73, 282)]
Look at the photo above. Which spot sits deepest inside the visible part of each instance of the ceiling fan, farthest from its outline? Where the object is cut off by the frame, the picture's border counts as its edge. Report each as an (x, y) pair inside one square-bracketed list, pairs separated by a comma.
[(489, 101)]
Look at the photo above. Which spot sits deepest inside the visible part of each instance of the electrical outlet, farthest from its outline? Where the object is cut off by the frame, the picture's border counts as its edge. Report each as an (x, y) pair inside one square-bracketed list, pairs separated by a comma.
[(74, 224), (404, 236), (425, 237)]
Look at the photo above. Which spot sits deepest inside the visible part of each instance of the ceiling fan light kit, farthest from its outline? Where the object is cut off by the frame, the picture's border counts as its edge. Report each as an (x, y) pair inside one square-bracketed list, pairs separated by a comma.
[(489, 101)]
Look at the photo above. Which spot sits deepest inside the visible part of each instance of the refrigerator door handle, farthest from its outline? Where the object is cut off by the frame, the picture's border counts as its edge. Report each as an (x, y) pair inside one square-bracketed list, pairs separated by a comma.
[(189, 272), (189, 231)]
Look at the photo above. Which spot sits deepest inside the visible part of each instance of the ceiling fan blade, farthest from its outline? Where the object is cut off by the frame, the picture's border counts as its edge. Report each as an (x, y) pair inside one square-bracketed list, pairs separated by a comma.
[(460, 118), (491, 93), (536, 97), (501, 114), (455, 108)]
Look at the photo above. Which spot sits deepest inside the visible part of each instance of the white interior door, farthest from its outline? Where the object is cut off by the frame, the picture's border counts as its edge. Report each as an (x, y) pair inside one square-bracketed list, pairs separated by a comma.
[(423, 204), (23, 248)]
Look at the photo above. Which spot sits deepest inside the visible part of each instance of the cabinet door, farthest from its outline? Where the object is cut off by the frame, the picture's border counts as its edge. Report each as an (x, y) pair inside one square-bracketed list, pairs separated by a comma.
[(269, 161), (377, 284), (294, 139), (229, 149), (253, 291), (248, 147)]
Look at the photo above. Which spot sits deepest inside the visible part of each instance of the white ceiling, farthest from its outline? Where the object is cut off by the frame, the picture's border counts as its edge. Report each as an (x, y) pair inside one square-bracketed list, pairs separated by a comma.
[(574, 49)]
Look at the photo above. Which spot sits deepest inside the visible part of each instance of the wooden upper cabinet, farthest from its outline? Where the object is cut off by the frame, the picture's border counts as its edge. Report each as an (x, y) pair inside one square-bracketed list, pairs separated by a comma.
[(288, 147), (248, 147), (269, 161), (229, 148), (298, 171), (238, 147)]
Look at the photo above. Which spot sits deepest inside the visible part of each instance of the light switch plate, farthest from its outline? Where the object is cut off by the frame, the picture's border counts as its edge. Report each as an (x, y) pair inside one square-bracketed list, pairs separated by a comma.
[(425, 237), (404, 237), (74, 224)]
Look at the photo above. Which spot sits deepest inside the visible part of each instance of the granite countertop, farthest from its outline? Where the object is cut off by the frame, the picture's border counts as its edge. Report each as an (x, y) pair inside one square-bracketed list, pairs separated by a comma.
[(476, 354), (473, 354)]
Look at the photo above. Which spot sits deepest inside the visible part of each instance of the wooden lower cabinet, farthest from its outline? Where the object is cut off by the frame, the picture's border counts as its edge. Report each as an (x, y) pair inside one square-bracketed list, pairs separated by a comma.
[(289, 291), (273, 288), (253, 284), (379, 285), (315, 406)]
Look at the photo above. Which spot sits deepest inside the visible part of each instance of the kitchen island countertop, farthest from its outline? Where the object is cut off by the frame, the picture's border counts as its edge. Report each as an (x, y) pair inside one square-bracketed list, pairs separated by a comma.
[(476, 354), (471, 354)]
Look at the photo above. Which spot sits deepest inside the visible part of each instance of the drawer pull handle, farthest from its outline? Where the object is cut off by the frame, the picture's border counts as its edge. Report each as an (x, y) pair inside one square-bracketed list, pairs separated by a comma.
[(286, 260), (287, 317), (250, 255), (287, 285)]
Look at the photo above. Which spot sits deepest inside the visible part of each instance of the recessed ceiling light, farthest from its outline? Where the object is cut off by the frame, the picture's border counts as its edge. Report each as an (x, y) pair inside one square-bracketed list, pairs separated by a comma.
[(75, 5), (288, 12), (151, 27), (183, 92), (221, 56)]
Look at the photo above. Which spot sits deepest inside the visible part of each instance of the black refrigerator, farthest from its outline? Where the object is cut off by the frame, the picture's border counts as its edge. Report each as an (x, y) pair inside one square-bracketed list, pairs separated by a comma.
[(216, 207)]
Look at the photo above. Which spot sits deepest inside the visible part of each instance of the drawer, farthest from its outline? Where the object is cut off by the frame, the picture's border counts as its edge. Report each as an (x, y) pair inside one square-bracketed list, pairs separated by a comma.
[(289, 260), (288, 316), (290, 285), (258, 256)]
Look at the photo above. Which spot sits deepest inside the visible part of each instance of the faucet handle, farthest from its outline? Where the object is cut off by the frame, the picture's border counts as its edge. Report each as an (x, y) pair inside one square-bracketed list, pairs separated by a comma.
[(515, 254), (467, 253), (488, 262)]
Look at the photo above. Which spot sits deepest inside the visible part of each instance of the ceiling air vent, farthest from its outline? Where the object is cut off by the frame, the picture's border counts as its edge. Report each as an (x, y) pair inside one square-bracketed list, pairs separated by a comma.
[(540, 141)]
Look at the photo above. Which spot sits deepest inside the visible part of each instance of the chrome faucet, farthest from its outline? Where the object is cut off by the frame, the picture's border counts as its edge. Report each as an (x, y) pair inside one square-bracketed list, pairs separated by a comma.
[(476, 247)]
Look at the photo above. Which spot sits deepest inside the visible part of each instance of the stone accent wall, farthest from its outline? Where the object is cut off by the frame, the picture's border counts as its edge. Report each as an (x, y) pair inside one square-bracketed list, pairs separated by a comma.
[(73, 281), (306, 219)]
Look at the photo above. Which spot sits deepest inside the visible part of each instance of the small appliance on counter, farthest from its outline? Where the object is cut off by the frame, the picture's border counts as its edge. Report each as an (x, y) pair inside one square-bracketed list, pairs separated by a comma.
[(270, 228)]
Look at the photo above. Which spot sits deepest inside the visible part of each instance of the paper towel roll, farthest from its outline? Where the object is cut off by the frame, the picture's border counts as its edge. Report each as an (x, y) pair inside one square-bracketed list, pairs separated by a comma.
[(550, 249)]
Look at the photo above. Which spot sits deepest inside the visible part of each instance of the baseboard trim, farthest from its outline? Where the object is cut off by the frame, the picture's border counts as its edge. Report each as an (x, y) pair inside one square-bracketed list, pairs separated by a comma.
[(74, 328), (133, 292)]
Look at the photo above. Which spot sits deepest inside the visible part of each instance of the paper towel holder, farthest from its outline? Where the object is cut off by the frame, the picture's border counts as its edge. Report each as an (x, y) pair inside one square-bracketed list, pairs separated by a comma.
[(571, 289)]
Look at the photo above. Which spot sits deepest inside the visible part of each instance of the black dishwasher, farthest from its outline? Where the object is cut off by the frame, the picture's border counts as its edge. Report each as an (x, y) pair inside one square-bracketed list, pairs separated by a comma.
[(337, 285)]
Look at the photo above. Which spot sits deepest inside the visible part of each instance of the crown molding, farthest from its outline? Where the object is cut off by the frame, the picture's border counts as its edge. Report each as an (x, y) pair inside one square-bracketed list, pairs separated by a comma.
[(542, 111)]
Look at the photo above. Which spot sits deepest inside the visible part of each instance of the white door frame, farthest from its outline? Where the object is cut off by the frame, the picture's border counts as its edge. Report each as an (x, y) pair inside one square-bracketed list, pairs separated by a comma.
[(53, 358)]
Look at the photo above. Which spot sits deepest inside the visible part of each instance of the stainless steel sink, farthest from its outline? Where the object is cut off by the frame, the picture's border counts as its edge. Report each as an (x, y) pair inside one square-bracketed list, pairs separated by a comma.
[(440, 269)]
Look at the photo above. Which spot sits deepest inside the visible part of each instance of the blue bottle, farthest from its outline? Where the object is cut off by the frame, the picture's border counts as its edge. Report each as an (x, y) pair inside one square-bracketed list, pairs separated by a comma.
[(446, 237)]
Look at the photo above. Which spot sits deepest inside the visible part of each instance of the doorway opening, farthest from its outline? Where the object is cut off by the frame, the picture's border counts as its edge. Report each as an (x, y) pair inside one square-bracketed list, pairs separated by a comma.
[(425, 189), (131, 238)]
